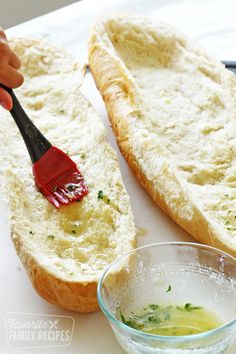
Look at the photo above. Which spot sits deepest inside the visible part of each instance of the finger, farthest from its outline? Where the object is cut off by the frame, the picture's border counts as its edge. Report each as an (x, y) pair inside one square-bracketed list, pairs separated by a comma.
[(5, 99), (10, 77), (7, 55), (2, 34), (5, 51), (14, 61)]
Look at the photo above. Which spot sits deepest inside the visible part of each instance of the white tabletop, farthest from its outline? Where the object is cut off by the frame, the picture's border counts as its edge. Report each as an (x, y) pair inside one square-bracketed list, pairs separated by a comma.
[(213, 23)]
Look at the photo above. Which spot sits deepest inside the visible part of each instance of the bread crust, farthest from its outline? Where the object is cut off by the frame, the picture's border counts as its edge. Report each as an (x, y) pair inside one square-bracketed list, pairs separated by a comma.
[(116, 86)]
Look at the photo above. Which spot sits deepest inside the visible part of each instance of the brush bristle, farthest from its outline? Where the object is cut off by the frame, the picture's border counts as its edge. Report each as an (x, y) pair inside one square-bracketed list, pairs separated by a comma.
[(66, 188)]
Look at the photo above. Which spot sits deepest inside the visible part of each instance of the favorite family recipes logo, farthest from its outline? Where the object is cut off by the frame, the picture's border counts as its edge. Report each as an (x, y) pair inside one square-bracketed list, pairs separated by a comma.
[(27, 330)]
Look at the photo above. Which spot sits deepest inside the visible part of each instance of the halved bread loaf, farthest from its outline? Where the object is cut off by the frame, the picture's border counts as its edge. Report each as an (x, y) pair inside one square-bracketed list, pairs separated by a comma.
[(64, 251), (173, 110)]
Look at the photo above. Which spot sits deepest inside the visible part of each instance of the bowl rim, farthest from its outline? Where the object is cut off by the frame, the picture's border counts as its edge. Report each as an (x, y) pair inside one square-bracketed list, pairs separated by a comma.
[(162, 338)]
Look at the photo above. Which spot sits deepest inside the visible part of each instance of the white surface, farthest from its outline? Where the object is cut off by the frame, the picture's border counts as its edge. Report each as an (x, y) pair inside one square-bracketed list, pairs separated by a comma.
[(212, 23), (25, 10)]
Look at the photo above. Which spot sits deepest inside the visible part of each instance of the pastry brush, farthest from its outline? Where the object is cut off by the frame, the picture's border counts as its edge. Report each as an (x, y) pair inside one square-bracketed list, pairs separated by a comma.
[(56, 175)]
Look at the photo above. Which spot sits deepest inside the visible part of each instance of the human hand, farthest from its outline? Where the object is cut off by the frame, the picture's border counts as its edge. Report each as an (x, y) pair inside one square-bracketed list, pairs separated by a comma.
[(9, 76)]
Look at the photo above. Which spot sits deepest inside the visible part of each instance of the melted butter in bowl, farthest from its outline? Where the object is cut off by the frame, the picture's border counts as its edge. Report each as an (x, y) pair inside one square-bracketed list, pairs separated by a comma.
[(172, 320), (172, 298)]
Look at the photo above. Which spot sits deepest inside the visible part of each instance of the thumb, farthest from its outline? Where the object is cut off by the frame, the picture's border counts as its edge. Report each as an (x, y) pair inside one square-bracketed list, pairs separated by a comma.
[(5, 99)]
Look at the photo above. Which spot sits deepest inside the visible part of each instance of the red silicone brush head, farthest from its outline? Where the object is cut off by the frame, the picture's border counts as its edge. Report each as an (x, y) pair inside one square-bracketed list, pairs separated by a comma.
[(58, 178)]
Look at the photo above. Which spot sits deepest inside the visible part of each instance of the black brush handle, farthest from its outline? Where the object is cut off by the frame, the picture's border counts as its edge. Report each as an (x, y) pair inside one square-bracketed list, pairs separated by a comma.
[(34, 140)]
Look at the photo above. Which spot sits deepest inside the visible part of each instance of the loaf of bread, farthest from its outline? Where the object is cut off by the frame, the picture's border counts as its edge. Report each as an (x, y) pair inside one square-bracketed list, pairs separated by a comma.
[(172, 108), (64, 251)]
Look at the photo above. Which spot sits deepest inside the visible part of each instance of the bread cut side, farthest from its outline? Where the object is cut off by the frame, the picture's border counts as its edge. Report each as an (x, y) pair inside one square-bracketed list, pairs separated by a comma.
[(64, 251), (172, 108)]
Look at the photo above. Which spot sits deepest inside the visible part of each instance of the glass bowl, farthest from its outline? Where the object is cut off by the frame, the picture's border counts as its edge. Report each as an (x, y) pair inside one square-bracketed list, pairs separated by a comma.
[(196, 274)]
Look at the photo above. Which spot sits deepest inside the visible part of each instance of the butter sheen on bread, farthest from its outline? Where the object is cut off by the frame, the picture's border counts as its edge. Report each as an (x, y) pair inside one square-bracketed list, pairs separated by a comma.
[(64, 251), (172, 108)]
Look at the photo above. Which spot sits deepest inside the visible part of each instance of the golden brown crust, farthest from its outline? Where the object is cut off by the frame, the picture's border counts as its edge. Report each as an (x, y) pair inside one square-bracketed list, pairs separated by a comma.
[(117, 90)]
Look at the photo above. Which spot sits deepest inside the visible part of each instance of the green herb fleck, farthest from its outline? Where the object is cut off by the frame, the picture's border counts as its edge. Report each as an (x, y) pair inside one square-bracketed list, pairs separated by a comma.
[(82, 156), (100, 195), (153, 306), (154, 319), (122, 317), (168, 289), (189, 307), (51, 237), (31, 233), (62, 111), (131, 323), (71, 273), (73, 232), (67, 152), (71, 187)]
